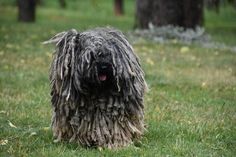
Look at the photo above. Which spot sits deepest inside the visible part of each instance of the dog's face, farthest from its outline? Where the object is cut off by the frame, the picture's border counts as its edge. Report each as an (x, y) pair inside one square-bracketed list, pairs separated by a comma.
[(99, 71), (104, 69)]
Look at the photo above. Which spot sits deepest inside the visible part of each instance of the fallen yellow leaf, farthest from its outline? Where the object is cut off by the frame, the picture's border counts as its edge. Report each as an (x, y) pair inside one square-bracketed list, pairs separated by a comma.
[(1, 53), (46, 128), (100, 149), (22, 61), (157, 109), (48, 54), (184, 49), (150, 61), (204, 84), (3, 142), (11, 125), (2, 111), (9, 46), (174, 41), (33, 134)]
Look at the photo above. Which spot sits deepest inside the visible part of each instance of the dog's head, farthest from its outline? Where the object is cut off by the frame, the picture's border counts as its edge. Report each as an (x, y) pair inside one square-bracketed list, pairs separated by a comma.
[(100, 59), (97, 69)]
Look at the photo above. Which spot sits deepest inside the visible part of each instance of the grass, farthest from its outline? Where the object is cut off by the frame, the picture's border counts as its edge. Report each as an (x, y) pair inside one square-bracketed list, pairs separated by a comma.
[(190, 108)]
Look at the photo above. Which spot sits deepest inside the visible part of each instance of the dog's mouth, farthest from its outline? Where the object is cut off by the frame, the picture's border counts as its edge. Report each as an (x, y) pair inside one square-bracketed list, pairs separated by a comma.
[(102, 77), (104, 71)]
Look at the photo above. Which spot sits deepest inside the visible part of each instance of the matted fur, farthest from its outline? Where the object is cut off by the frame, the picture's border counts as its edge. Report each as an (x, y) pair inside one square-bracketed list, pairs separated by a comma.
[(85, 109)]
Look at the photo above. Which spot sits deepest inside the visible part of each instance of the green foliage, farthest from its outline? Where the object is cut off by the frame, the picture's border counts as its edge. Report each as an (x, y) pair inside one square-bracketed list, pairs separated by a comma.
[(190, 108), (222, 23)]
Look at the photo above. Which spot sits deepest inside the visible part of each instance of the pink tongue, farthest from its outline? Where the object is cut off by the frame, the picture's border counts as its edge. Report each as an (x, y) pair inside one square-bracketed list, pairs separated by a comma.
[(102, 77)]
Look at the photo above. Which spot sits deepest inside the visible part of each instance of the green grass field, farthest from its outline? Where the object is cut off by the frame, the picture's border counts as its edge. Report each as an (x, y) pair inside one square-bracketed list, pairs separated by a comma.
[(190, 108)]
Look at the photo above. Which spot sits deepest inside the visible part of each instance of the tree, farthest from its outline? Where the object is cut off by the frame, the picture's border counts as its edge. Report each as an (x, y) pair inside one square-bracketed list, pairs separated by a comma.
[(62, 4), (232, 2), (26, 10), (119, 7), (213, 4), (184, 13), (216, 4)]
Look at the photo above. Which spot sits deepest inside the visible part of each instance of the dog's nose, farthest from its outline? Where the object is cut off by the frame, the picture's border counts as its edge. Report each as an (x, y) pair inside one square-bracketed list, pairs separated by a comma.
[(104, 67)]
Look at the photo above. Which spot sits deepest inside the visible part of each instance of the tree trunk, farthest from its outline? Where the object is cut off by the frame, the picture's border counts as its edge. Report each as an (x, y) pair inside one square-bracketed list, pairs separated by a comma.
[(232, 2), (185, 13), (213, 5), (193, 13), (26, 10), (39, 2), (62, 4), (119, 7)]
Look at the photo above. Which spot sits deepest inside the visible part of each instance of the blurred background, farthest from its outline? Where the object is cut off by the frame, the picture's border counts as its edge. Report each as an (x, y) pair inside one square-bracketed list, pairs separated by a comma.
[(217, 16), (187, 49)]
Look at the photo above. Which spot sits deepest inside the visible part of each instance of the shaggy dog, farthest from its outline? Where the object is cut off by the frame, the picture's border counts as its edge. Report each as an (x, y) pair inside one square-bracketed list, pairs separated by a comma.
[(97, 89)]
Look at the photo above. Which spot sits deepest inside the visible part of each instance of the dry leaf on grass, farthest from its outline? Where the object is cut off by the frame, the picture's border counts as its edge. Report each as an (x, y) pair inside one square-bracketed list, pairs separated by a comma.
[(3, 142), (100, 149), (32, 134), (46, 128), (184, 49), (204, 84), (150, 61), (2, 111), (11, 125)]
